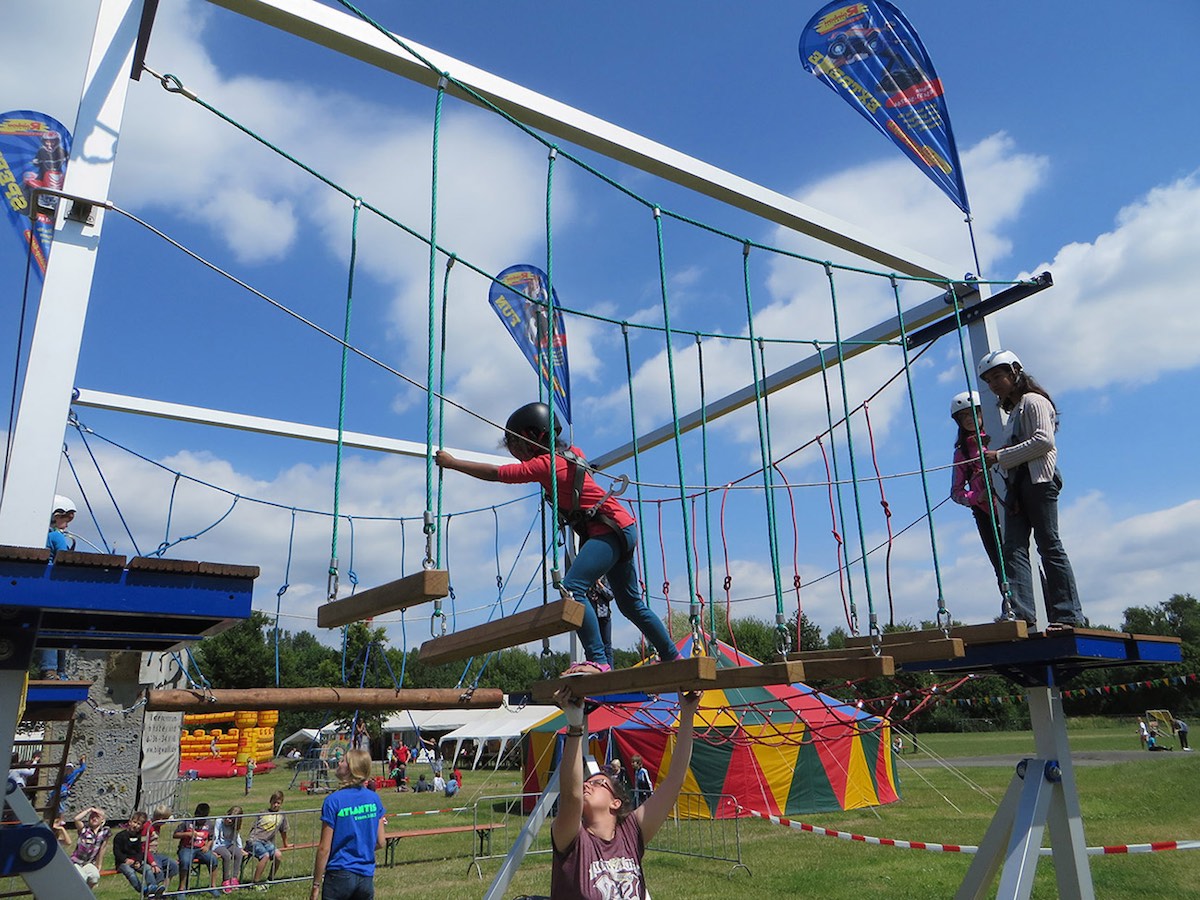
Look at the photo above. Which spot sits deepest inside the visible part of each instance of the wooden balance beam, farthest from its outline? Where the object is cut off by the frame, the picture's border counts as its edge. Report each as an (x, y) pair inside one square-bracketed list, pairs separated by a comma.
[(321, 698), (411, 590), (850, 663), (534, 624), (733, 677), (694, 673)]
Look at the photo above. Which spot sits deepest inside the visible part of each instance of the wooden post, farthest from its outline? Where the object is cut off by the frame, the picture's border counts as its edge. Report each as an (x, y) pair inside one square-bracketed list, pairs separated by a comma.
[(322, 698)]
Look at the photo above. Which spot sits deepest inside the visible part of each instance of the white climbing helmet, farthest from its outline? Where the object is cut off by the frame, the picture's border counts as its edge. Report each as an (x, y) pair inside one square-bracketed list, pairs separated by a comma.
[(63, 504), (998, 358), (965, 400)]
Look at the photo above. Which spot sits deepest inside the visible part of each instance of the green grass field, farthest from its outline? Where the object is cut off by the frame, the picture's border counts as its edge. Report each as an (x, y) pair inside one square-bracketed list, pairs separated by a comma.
[(1149, 798)]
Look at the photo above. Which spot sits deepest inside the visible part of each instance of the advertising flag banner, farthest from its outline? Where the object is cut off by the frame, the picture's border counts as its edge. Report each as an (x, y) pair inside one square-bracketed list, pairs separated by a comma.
[(33, 154), (869, 54), (519, 296)]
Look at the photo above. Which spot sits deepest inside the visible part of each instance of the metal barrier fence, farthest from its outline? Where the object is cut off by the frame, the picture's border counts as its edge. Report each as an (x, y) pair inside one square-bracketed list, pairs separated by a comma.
[(694, 829)]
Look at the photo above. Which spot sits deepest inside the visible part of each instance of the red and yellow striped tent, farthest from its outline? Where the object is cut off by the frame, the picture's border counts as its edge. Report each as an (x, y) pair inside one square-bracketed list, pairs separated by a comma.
[(779, 749)]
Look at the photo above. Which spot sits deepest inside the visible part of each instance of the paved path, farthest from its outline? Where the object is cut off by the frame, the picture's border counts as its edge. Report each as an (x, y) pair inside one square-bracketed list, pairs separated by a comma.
[(1079, 758)]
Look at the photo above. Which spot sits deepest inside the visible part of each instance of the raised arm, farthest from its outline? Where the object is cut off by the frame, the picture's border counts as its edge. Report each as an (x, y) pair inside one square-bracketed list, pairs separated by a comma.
[(570, 772), (657, 807), (482, 471)]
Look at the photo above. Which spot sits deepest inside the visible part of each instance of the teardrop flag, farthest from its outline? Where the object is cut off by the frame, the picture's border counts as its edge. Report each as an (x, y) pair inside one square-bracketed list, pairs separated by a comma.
[(33, 154), (519, 296), (871, 56)]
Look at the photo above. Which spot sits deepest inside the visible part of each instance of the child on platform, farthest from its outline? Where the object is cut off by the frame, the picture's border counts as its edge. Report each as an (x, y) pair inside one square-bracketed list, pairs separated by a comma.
[(968, 484), (607, 531)]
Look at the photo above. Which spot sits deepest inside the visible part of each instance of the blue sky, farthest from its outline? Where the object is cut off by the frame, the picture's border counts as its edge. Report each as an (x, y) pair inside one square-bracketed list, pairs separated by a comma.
[(1077, 159)]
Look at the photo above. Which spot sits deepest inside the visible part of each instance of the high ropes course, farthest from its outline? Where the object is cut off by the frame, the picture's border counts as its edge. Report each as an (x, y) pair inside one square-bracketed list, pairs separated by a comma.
[(692, 508)]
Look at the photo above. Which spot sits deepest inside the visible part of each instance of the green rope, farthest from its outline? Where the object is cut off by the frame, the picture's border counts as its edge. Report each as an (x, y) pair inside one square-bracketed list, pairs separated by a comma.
[(837, 480), (687, 530), (332, 587), (782, 635), (547, 338), (759, 378), (872, 618), (441, 415), (1005, 590), (712, 615), (637, 458), (943, 616)]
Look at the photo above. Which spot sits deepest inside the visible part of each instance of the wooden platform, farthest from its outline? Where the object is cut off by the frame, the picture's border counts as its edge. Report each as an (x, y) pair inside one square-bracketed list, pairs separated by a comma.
[(733, 677), (543, 621), (411, 590), (692, 674), (989, 633)]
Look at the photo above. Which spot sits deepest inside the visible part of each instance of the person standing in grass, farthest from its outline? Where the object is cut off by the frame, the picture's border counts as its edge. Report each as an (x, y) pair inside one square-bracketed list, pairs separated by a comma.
[(352, 823)]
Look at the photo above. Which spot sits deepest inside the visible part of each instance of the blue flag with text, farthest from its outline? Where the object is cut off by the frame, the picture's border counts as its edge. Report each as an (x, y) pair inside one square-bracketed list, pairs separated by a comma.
[(869, 54), (520, 297), (33, 154)]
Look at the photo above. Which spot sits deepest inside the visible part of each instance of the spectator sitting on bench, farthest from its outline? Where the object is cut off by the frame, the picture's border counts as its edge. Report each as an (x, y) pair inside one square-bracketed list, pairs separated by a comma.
[(195, 843), (261, 841), (129, 852)]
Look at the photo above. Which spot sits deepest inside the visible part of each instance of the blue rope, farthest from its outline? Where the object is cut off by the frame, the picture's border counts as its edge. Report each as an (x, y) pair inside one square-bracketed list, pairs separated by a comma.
[(86, 503), (104, 481), (164, 546), (287, 572)]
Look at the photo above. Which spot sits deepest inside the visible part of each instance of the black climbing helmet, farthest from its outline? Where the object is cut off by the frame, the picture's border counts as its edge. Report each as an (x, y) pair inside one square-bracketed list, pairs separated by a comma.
[(531, 421)]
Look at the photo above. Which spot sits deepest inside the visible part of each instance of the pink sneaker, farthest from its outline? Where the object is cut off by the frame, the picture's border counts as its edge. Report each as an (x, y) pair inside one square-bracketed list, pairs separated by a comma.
[(225, 886), (587, 667)]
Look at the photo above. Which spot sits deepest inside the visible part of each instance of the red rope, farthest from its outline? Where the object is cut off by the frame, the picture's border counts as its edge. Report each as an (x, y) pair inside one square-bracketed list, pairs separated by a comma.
[(666, 585), (887, 517), (836, 535), (796, 581), (728, 576)]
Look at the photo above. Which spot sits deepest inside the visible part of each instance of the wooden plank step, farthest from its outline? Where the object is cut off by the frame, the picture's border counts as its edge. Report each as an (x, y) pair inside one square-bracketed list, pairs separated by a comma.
[(411, 590), (90, 560), (534, 624), (988, 633), (694, 673), (919, 651), (9, 553), (849, 664), (733, 677), (160, 564)]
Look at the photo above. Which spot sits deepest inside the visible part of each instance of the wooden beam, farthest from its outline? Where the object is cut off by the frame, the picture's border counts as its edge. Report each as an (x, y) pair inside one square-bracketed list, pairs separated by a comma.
[(92, 560), (9, 553), (322, 698), (758, 676), (987, 633), (162, 564), (694, 673), (534, 624), (918, 651), (411, 590), (849, 664)]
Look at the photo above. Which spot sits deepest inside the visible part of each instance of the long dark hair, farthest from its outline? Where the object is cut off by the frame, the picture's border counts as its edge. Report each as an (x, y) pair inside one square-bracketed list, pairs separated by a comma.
[(1023, 384)]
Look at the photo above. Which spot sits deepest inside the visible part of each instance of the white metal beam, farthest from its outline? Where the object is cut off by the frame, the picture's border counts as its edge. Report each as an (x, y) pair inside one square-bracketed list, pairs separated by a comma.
[(887, 330), (180, 413), (355, 38), (54, 352)]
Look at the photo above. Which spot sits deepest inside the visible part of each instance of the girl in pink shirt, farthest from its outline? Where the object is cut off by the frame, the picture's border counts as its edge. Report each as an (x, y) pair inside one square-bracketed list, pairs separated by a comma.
[(607, 531), (968, 486)]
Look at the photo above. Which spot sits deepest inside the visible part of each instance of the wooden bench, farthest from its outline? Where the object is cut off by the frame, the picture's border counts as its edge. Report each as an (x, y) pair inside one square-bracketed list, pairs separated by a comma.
[(483, 831)]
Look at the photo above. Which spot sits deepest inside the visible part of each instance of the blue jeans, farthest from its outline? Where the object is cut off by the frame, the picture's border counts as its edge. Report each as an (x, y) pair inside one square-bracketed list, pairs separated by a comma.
[(342, 885), (1037, 511), (187, 854), (136, 877), (53, 661), (611, 554)]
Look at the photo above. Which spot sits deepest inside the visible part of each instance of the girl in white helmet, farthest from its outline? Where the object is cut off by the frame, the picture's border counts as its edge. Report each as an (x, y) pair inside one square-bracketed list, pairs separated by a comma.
[(53, 663), (1029, 460), (968, 486)]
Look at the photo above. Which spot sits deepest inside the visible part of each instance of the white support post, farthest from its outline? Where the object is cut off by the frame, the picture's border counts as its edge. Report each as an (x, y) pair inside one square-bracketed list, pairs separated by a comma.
[(1042, 793), (54, 352)]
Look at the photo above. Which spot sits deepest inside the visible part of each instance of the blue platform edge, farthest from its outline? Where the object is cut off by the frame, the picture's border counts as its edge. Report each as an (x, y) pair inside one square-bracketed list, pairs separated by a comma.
[(114, 608), (1070, 650)]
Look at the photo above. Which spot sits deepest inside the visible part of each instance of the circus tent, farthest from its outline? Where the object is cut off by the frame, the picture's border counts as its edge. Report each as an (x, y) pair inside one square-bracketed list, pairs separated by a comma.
[(779, 749)]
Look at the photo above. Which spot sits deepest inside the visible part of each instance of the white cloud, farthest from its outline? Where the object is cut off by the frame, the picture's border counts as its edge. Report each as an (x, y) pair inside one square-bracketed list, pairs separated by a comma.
[(1113, 315)]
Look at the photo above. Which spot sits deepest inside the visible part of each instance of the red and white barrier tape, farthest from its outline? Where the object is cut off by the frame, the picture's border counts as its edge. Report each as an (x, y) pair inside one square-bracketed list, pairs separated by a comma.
[(429, 812), (1155, 847)]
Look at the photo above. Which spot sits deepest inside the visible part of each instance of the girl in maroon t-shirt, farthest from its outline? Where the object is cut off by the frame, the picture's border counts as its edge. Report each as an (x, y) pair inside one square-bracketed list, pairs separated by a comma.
[(607, 530)]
